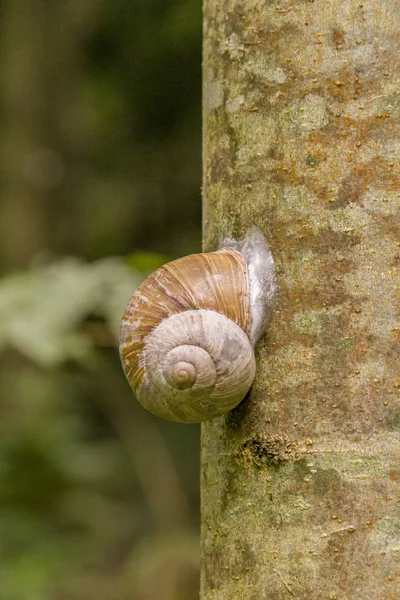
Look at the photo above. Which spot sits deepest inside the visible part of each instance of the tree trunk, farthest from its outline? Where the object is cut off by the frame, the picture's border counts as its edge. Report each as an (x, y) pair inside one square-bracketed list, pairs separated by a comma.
[(301, 483)]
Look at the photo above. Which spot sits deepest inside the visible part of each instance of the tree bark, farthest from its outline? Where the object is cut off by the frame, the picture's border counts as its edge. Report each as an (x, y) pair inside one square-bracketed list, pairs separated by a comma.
[(301, 483)]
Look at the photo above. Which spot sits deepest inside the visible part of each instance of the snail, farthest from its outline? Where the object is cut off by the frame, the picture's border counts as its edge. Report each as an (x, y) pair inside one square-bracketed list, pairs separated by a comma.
[(188, 333)]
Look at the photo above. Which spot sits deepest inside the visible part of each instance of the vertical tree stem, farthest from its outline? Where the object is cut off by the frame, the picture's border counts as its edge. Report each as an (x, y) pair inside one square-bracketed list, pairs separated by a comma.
[(301, 483)]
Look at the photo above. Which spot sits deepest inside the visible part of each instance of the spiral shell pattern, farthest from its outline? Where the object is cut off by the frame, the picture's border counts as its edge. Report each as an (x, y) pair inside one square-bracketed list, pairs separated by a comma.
[(171, 348), (198, 365), (188, 332)]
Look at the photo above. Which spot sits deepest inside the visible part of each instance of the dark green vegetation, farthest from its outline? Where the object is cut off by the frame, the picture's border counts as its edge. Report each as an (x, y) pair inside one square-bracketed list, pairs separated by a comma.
[(100, 158)]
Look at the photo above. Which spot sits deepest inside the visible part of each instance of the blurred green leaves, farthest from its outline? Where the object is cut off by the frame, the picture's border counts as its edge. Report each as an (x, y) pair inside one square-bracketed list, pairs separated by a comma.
[(100, 118), (83, 470), (145, 262), (41, 310)]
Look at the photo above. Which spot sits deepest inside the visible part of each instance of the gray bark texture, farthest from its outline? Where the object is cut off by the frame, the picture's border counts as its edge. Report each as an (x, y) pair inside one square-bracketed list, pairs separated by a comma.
[(301, 483)]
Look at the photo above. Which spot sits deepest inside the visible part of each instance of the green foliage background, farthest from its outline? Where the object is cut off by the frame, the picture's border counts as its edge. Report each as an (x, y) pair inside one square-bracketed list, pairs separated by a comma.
[(100, 184)]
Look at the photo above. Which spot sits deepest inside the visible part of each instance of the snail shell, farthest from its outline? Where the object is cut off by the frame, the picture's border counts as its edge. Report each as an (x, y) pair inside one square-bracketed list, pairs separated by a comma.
[(188, 332)]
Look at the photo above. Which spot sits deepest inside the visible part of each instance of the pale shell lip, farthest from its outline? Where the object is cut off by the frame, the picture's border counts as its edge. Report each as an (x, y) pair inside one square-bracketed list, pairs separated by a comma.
[(262, 277)]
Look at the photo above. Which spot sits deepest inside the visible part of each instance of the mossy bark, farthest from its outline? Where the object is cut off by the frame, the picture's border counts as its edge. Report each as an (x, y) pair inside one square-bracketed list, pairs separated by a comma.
[(301, 483)]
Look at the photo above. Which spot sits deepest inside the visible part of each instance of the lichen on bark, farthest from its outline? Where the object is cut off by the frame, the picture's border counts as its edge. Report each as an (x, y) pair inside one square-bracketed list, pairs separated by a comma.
[(301, 483)]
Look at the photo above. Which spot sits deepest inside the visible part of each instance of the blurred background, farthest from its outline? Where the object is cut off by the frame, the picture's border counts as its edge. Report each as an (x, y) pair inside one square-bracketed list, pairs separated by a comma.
[(100, 174)]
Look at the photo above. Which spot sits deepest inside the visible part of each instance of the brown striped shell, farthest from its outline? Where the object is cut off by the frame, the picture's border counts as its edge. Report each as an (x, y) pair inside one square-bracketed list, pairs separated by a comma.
[(184, 343)]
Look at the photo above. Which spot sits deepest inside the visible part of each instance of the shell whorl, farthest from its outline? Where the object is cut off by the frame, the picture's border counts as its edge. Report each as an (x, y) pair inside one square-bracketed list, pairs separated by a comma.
[(215, 281), (198, 364), (188, 332)]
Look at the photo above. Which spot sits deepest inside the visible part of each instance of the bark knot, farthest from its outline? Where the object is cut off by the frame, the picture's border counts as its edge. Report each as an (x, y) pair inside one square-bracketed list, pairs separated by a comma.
[(262, 451)]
